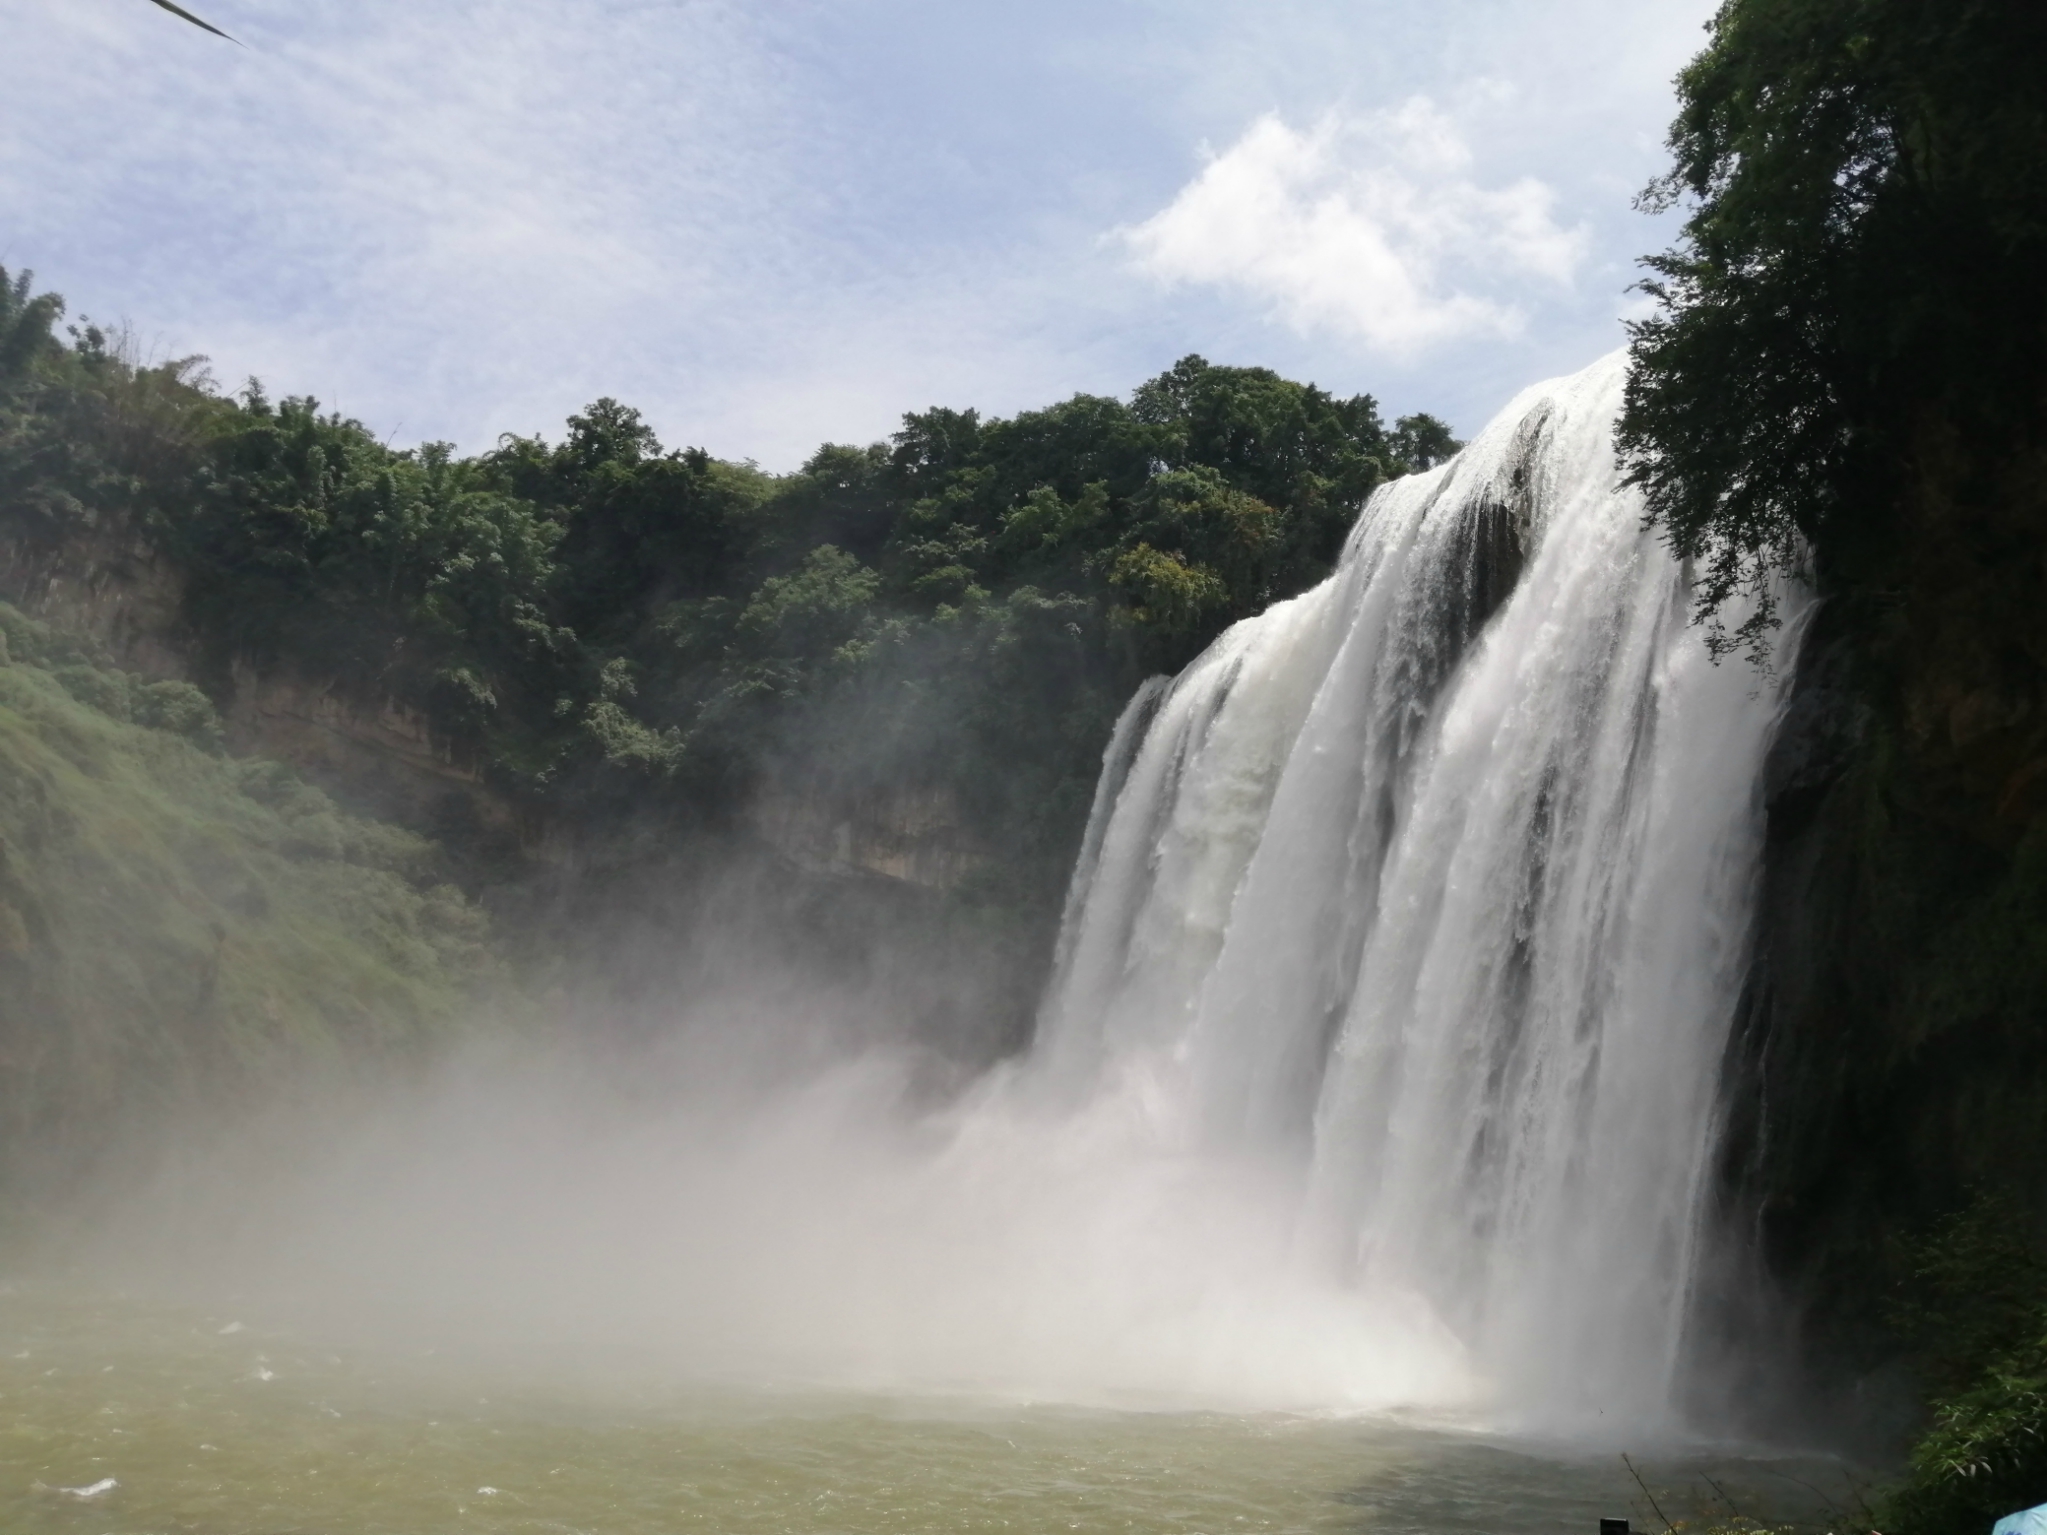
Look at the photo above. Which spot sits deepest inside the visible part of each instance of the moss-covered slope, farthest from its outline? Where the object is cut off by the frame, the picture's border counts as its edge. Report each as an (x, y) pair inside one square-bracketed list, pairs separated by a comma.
[(174, 923)]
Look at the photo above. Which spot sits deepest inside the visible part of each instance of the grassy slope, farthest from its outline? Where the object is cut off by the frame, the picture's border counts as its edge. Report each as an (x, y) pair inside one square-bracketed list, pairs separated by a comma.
[(173, 922)]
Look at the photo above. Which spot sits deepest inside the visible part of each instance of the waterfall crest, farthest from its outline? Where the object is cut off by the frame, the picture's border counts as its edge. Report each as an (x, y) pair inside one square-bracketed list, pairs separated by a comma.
[(1426, 893)]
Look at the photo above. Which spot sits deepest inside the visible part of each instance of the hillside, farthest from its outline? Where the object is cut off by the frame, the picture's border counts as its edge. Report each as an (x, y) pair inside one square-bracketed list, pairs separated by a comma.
[(175, 922)]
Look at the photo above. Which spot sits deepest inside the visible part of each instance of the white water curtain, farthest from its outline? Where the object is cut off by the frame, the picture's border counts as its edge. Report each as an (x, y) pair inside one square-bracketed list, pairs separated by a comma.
[(1427, 894)]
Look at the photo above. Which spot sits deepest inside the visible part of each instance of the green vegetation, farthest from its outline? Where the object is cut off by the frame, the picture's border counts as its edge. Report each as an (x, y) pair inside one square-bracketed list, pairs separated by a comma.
[(1847, 356), (174, 922), (619, 635), (1847, 377), (632, 648), (1975, 1310)]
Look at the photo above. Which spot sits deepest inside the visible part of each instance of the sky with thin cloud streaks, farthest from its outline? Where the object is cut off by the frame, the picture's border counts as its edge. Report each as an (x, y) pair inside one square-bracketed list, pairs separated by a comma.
[(779, 223)]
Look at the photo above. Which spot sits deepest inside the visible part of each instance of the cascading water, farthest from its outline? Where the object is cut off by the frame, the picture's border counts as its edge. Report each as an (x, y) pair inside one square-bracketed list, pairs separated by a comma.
[(1425, 895)]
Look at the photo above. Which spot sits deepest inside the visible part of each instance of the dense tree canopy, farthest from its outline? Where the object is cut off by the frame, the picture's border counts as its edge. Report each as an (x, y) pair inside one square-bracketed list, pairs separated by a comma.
[(1857, 296), (600, 622)]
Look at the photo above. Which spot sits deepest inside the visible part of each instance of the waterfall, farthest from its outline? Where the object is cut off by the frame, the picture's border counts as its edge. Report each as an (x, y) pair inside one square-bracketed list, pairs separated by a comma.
[(1425, 894), (1377, 1071)]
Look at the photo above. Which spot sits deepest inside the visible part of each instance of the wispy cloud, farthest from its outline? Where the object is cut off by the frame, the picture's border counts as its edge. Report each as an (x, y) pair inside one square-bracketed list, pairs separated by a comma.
[(1371, 224)]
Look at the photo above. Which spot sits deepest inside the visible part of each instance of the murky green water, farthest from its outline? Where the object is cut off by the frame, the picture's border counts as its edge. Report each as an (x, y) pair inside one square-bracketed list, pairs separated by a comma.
[(204, 1425)]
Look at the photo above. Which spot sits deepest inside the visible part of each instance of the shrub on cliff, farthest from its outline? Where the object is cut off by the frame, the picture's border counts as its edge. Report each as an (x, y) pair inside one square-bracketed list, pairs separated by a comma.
[(1975, 1311)]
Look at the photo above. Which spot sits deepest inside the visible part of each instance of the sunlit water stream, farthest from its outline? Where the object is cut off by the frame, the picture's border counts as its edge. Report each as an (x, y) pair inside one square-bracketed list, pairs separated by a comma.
[(209, 1428)]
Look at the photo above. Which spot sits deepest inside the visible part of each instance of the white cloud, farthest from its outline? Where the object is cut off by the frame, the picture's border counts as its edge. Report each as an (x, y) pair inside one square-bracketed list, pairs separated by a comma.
[(1370, 224), (771, 224)]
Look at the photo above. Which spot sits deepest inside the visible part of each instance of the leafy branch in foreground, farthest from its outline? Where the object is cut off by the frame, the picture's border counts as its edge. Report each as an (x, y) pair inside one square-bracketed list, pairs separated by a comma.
[(179, 10)]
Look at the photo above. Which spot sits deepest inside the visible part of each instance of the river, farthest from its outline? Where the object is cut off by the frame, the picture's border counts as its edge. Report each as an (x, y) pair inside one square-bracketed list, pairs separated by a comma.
[(209, 1426)]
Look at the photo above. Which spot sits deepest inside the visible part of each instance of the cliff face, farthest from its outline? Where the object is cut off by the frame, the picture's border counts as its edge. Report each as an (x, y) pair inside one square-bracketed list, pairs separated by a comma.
[(106, 584), (1890, 1065), (370, 750), (905, 833), (366, 748), (380, 756)]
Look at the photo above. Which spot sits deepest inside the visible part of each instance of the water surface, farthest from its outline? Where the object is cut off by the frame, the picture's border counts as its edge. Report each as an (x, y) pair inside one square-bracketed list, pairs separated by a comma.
[(210, 1425)]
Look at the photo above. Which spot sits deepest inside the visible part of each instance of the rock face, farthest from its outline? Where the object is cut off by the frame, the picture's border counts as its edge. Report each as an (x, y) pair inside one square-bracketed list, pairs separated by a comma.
[(369, 750), (374, 752), (379, 755), (1888, 1065), (108, 586), (905, 833), (1776, 1097)]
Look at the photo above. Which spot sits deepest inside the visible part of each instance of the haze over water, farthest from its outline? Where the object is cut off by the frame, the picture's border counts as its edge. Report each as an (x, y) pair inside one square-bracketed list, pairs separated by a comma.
[(204, 1424)]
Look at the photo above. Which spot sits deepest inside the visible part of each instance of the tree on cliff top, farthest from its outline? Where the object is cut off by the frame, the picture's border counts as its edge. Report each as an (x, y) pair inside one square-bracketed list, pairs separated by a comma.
[(1857, 289)]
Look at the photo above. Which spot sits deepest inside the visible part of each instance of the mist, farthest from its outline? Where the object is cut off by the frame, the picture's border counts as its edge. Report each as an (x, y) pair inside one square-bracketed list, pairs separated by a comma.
[(758, 1199)]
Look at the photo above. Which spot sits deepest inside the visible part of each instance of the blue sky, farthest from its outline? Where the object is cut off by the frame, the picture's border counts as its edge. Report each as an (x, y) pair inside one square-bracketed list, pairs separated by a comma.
[(775, 224)]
